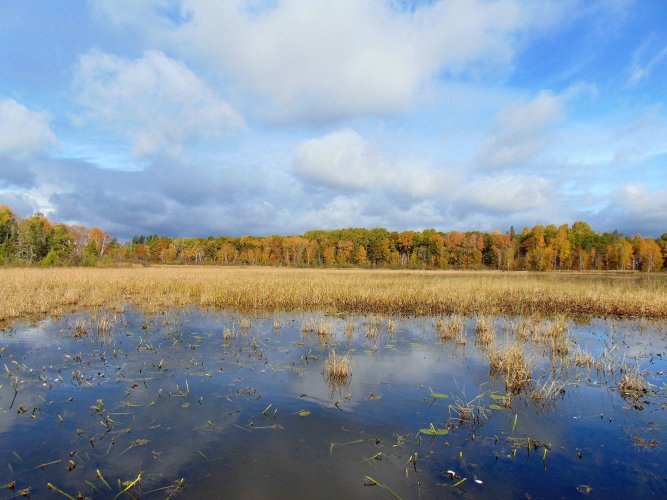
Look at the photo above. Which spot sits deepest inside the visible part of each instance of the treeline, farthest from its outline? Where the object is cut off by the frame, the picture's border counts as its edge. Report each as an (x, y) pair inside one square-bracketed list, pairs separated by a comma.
[(35, 240)]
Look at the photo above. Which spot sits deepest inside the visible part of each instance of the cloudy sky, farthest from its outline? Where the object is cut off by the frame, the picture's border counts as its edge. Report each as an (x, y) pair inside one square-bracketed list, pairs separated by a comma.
[(201, 117)]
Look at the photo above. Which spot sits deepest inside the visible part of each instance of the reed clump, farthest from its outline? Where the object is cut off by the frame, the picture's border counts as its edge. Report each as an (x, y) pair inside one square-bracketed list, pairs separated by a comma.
[(244, 326), (469, 413), (104, 325), (80, 328), (337, 367), (548, 391), (583, 359), (632, 384), (325, 331), (372, 327), (522, 330), (485, 333), (308, 326), (228, 334), (350, 328), (37, 292), (511, 363), (452, 329)]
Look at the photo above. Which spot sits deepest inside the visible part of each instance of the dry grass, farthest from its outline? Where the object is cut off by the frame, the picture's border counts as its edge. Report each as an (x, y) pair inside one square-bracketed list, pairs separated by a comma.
[(104, 325), (228, 334), (244, 326), (325, 331), (391, 327), (583, 359), (632, 384), (372, 327), (522, 330), (485, 334), (337, 367), (80, 328), (470, 413), (32, 292), (350, 328), (511, 363), (548, 391), (308, 326), (452, 329), (553, 333)]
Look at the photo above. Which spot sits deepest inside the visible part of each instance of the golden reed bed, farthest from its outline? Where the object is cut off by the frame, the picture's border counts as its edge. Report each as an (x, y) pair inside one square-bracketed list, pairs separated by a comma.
[(33, 292)]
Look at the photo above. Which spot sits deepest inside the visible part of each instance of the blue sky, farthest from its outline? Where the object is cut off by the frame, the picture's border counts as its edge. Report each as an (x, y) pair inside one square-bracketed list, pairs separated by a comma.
[(199, 117)]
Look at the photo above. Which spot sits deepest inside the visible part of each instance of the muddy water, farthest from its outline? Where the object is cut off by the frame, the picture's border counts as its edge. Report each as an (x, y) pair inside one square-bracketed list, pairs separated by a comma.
[(198, 416)]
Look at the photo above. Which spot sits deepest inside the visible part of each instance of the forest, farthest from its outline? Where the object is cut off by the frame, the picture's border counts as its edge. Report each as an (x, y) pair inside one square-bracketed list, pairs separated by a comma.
[(37, 241)]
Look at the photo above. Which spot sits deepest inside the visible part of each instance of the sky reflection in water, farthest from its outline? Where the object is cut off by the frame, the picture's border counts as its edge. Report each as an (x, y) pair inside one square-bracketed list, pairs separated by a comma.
[(166, 396)]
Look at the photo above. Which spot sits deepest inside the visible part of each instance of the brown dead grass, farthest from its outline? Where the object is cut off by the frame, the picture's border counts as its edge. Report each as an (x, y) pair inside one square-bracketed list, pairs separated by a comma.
[(32, 292), (485, 333), (337, 367), (512, 364)]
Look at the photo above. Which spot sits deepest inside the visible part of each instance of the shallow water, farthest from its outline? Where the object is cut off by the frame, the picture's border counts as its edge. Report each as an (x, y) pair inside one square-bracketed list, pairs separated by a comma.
[(166, 396)]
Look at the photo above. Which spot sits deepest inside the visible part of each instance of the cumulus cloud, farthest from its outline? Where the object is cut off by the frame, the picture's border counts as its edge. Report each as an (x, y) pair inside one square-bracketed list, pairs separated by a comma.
[(519, 133), (366, 184), (635, 206), (156, 101), (345, 160), (321, 60), (504, 194), (23, 132)]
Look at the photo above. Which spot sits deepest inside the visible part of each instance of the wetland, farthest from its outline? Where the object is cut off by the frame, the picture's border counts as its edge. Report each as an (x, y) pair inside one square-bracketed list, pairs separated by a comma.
[(196, 402)]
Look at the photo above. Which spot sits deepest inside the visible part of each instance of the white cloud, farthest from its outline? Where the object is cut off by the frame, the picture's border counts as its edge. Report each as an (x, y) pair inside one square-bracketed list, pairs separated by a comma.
[(345, 160), (120, 13), (321, 60), (504, 194), (519, 133), (22, 131), (622, 140), (642, 65), (642, 208), (361, 177), (158, 102)]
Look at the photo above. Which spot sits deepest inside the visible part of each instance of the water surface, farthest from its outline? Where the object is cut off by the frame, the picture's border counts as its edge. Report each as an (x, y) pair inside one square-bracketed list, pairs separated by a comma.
[(168, 397)]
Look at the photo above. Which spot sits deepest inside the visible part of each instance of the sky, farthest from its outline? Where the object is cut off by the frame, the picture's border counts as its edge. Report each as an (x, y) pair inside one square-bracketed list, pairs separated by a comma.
[(201, 117)]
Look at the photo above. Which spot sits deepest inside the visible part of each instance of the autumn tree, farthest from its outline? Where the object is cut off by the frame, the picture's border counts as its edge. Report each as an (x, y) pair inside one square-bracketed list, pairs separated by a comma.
[(405, 241), (534, 246), (561, 247), (650, 254), (8, 230), (503, 247), (33, 238), (98, 241)]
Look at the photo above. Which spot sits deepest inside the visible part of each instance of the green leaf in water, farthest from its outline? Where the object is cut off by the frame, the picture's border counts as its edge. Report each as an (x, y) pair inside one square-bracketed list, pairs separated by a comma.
[(432, 431), (497, 408), (304, 413), (437, 395)]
